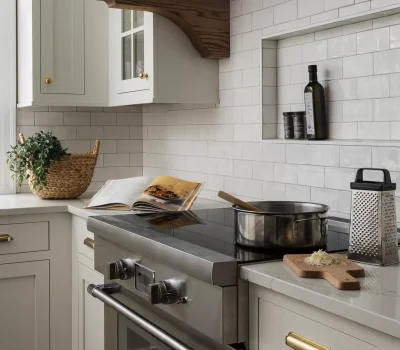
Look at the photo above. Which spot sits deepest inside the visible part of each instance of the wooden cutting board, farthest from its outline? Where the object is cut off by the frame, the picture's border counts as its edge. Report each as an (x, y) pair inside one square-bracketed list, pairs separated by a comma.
[(342, 277)]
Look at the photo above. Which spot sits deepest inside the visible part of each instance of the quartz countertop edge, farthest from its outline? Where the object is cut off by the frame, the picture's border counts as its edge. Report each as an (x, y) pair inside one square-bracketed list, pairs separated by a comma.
[(376, 305), (28, 203)]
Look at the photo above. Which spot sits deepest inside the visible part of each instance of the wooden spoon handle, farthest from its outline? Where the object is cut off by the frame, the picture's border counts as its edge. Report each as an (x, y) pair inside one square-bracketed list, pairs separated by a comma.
[(231, 199)]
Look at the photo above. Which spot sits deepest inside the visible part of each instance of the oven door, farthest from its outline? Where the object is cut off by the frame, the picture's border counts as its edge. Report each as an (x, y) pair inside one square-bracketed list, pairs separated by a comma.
[(126, 329)]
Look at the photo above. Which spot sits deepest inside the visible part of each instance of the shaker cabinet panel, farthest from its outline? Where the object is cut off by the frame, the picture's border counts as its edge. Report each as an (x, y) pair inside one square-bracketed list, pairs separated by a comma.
[(62, 41), (91, 311), (24, 305)]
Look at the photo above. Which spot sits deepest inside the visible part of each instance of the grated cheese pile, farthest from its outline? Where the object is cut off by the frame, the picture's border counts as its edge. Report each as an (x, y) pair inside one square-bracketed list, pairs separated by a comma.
[(321, 258)]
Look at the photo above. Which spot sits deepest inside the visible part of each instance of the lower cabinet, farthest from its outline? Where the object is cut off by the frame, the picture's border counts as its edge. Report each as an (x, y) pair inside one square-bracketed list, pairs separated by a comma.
[(87, 312), (273, 317), (91, 311), (25, 306)]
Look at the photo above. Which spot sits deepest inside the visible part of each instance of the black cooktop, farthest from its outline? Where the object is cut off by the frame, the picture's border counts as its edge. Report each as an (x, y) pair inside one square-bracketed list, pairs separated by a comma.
[(214, 229)]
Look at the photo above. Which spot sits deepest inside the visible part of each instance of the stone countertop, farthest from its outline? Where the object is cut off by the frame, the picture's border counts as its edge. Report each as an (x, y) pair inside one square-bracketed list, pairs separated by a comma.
[(376, 305), (27, 203)]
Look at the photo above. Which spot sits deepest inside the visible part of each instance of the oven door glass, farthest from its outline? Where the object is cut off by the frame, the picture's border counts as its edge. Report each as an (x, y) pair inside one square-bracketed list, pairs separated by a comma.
[(131, 337)]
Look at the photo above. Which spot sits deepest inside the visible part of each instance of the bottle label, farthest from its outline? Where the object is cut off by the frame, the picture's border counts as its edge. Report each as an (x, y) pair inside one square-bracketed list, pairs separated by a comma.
[(308, 100)]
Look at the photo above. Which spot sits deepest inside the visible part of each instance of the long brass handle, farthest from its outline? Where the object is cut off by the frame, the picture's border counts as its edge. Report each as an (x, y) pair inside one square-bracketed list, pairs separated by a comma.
[(89, 242), (5, 238), (298, 342)]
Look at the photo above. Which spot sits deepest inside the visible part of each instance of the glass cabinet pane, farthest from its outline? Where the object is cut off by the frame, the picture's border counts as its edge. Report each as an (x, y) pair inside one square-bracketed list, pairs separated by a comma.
[(127, 57), (126, 20), (138, 49), (138, 19)]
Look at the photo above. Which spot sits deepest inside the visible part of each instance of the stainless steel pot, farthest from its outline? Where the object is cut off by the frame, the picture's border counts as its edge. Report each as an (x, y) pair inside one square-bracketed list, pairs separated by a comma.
[(282, 225)]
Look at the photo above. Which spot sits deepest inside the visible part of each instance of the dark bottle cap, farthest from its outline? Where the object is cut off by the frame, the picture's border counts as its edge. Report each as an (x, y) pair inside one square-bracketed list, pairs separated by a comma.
[(312, 68), (299, 114)]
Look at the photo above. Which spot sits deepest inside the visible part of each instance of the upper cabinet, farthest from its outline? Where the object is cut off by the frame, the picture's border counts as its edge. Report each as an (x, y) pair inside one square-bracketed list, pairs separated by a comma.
[(62, 53), (153, 61), (81, 53)]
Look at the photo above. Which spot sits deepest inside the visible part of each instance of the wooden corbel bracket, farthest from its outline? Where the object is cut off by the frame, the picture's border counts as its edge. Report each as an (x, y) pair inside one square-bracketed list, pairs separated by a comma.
[(205, 22)]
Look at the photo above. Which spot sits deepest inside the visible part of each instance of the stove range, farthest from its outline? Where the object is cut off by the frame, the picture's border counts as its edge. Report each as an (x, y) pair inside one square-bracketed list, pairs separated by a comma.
[(172, 278)]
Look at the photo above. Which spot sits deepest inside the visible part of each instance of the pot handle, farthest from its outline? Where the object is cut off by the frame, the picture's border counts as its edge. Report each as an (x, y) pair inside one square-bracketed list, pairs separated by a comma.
[(295, 229)]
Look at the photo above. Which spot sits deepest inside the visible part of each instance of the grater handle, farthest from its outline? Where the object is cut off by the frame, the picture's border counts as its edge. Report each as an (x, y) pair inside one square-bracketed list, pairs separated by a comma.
[(386, 175)]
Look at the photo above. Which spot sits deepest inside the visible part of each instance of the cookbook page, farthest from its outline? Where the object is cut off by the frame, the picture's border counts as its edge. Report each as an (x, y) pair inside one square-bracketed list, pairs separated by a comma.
[(169, 193), (119, 193)]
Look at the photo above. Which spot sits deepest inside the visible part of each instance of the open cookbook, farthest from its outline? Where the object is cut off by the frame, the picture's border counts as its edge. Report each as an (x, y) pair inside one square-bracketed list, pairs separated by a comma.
[(140, 193)]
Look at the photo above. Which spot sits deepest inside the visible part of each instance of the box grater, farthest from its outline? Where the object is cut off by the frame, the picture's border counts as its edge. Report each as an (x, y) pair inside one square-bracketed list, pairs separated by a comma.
[(373, 228)]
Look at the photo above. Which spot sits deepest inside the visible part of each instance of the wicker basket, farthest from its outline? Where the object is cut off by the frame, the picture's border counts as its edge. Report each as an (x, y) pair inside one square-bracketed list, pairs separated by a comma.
[(69, 177)]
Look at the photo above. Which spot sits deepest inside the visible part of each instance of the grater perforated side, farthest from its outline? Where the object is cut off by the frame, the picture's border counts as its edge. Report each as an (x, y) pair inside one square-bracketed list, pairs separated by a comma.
[(365, 224), (389, 228)]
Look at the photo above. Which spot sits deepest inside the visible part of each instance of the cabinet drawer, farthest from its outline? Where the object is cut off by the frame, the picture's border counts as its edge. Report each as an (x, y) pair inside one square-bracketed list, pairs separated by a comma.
[(275, 323), (84, 240), (23, 238)]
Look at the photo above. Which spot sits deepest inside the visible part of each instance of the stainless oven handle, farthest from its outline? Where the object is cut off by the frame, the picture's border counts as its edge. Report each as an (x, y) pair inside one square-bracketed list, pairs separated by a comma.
[(102, 293)]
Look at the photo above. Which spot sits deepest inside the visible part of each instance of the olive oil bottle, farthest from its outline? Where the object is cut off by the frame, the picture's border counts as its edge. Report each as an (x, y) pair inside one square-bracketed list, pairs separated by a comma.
[(314, 99)]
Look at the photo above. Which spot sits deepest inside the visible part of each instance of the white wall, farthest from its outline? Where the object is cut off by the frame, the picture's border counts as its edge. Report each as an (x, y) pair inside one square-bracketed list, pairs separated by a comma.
[(222, 144)]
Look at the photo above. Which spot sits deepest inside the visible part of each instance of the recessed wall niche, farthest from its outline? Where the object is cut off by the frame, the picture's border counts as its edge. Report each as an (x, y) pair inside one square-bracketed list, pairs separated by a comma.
[(358, 64)]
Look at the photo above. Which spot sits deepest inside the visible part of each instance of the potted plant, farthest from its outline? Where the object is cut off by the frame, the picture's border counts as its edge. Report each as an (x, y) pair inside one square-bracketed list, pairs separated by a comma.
[(51, 172)]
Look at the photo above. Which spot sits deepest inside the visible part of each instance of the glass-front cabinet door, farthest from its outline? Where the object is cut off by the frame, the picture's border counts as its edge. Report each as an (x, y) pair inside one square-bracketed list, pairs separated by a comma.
[(131, 49)]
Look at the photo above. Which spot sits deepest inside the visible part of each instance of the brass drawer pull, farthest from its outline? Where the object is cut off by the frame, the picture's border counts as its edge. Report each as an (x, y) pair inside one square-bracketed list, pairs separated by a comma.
[(5, 238), (89, 242), (298, 342)]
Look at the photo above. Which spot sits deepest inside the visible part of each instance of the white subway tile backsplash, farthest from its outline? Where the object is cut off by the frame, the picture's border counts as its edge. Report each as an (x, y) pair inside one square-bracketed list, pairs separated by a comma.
[(357, 110), (343, 131), (382, 3), (298, 154), (387, 109), (355, 157), (374, 131), (262, 19), (263, 171), (283, 75), (342, 46), (269, 3), (335, 111), (357, 27), (243, 169), (298, 193), (344, 202), (285, 12), (64, 132), (325, 16), (315, 51), (334, 4), (339, 178), (357, 8), (103, 118), (326, 196), (373, 87), (289, 56), (28, 118), (343, 89), (288, 94), (394, 37), (302, 39), (310, 7), (251, 40), (241, 24), (273, 191), (328, 33), (358, 66), (325, 155), (387, 62), (48, 118), (395, 131), (311, 175), (116, 132), (251, 6), (286, 173), (76, 118), (386, 157), (373, 40)]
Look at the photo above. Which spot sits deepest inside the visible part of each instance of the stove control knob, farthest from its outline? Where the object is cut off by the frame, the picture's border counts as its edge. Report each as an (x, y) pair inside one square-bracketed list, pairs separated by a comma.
[(167, 292), (122, 269)]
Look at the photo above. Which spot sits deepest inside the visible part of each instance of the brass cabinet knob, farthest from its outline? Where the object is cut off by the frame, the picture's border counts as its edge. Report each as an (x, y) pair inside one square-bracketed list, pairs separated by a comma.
[(143, 75), (47, 80), (89, 242)]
